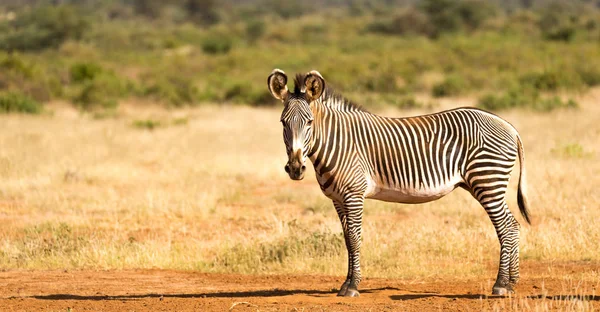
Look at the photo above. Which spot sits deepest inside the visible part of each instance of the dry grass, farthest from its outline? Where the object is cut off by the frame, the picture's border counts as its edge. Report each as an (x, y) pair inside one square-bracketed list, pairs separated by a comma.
[(211, 194)]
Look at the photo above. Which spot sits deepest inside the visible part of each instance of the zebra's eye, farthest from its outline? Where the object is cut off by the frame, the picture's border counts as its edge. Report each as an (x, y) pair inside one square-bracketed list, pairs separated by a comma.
[(309, 123)]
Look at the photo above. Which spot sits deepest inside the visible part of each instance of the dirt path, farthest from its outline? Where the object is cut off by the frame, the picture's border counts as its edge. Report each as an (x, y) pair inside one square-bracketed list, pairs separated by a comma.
[(573, 287)]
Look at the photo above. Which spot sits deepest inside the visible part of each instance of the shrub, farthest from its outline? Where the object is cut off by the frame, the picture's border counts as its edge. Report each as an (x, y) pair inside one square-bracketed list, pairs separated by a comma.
[(551, 80), (381, 82), (572, 150), (255, 29), (216, 44), (103, 91), (82, 72), (202, 12), (43, 27), (16, 102), (443, 15), (175, 90), (589, 75), (243, 93), (148, 124), (474, 13), (451, 86), (407, 22), (523, 99)]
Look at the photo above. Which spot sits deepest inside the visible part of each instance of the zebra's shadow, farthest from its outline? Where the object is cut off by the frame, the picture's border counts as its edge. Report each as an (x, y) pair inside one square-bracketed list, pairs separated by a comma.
[(487, 297)]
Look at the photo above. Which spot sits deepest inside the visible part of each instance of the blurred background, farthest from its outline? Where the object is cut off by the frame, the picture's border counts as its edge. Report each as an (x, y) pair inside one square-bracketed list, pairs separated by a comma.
[(97, 54)]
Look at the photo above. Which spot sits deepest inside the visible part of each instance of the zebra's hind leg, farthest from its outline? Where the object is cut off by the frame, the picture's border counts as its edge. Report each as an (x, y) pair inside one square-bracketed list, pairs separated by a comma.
[(350, 215), (507, 229)]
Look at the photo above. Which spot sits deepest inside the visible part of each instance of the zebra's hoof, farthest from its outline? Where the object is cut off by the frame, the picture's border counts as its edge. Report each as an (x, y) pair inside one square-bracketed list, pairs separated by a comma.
[(351, 293), (502, 291), (343, 289)]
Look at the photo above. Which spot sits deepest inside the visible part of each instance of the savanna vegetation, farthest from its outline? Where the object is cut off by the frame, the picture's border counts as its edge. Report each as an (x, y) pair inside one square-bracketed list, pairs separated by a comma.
[(97, 54)]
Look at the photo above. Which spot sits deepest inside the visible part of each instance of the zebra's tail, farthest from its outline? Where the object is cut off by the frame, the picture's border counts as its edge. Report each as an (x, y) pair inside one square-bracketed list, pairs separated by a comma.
[(522, 191)]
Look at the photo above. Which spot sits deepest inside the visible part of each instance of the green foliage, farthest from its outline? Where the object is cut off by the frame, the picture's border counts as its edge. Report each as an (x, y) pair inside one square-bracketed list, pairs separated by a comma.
[(202, 11), (442, 15), (589, 75), (147, 124), (474, 13), (551, 80), (82, 72), (451, 86), (286, 9), (255, 29), (103, 91), (217, 44), (558, 21), (148, 8), (521, 98), (43, 27), (173, 89), (572, 150), (244, 93), (16, 102), (408, 22)]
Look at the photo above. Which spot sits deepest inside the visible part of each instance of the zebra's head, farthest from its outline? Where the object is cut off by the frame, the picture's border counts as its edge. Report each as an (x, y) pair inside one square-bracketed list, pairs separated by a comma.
[(297, 116)]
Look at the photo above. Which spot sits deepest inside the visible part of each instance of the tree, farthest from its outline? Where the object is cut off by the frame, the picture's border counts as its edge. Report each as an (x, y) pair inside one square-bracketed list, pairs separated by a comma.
[(202, 11)]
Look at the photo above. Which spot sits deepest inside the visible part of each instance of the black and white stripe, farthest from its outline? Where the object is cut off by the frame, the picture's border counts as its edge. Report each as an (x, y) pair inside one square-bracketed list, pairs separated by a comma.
[(358, 155)]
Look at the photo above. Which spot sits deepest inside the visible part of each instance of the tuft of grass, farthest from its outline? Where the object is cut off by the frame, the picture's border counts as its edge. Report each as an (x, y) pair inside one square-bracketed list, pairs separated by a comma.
[(17, 102), (571, 150), (180, 121), (262, 257), (148, 124)]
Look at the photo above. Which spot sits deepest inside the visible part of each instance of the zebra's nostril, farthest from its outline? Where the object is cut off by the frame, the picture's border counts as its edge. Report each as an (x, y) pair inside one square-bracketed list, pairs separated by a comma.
[(287, 168), (303, 167)]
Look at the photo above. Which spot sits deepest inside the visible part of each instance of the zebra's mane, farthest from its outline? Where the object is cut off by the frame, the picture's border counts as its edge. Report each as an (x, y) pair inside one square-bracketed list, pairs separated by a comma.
[(330, 97)]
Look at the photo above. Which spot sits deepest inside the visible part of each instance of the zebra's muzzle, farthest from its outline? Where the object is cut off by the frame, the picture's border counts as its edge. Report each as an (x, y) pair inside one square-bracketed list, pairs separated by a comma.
[(295, 171)]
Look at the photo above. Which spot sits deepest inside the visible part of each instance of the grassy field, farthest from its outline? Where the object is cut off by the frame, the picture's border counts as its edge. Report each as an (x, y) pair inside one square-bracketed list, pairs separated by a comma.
[(204, 189)]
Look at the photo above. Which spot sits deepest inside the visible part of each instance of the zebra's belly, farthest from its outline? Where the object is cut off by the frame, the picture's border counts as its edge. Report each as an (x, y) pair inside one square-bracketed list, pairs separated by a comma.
[(411, 196)]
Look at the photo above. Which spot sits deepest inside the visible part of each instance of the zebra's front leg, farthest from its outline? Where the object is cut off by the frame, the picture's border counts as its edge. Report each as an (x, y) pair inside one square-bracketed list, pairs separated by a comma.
[(350, 213)]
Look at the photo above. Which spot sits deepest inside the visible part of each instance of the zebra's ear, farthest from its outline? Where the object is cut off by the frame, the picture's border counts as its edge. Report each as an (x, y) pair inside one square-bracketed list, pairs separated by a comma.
[(314, 85), (277, 83)]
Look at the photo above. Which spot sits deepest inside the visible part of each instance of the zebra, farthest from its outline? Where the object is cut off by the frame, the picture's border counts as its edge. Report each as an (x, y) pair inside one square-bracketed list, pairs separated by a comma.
[(358, 155)]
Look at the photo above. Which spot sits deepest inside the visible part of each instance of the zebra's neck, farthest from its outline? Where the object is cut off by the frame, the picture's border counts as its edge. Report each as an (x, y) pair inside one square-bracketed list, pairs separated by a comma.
[(325, 137)]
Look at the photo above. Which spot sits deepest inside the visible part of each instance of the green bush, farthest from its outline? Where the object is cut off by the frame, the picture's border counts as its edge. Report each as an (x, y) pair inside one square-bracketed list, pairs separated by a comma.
[(104, 91), (255, 29), (523, 99), (148, 124), (451, 86), (16, 102), (43, 27), (244, 93), (558, 21), (407, 22), (217, 44), (175, 90), (551, 80), (82, 72), (381, 82), (589, 75)]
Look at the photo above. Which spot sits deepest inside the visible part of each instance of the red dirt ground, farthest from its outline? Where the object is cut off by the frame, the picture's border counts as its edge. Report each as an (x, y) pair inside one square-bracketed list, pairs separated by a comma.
[(543, 286)]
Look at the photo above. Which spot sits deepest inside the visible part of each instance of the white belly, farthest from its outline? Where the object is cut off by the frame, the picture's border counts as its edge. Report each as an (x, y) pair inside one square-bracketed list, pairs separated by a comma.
[(410, 196)]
